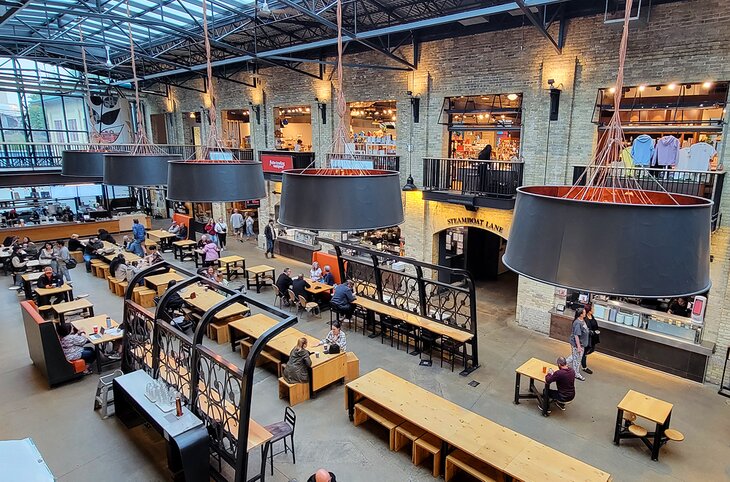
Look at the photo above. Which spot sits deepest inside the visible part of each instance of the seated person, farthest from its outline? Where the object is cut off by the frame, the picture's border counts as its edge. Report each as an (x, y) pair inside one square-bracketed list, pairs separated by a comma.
[(202, 241), (182, 233), (49, 279), (73, 344), (153, 256), (105, 236), (30, 248), (343, 298), (322, 476), (328, 277), (299, 286), (564, 379), (219, 278), (90, 251), (209, 272), (335, 337), (74, 244), (283, 282), (316, 272), (132, 271), (174, 228), (678, 307), (118, 267), (297, 368), (174, 301)]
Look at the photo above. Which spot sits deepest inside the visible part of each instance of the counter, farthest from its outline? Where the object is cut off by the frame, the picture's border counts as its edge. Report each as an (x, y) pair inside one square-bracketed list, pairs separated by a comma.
[(295, 250), (52, 231), (652, 349)]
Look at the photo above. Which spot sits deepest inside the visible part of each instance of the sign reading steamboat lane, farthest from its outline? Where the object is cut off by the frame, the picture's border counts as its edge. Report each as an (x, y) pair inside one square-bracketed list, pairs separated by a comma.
[(482, 223)]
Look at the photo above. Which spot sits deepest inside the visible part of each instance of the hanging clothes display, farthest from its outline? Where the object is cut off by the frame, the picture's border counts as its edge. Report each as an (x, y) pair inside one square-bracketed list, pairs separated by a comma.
[(626, 157), (700, 155), (642, 150), (683, 159), (666, 152)]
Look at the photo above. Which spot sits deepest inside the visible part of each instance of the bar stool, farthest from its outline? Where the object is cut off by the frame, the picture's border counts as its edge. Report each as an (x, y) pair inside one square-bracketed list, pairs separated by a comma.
[(454, 349)]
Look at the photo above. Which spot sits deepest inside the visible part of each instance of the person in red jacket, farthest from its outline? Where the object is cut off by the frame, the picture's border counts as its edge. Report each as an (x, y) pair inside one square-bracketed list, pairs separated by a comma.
[(564, 379)]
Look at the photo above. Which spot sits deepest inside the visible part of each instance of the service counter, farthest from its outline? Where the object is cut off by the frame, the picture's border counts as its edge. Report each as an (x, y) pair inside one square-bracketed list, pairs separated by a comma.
[(290, 248), (653, 339), (52, 231)]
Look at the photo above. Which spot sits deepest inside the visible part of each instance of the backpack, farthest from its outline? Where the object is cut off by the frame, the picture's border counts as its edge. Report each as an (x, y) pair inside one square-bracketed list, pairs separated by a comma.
[(71, 263)]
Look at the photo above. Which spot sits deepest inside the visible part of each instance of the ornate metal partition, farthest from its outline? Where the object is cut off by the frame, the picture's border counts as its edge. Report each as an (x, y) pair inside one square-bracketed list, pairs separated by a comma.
[(416, 289), (217, 391)]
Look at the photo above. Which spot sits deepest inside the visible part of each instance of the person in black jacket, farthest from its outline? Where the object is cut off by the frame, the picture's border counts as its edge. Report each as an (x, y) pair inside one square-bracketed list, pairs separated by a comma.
[(90, 252), (299, 287), (322, 475), (593, 337), (50, 280), (283, 282), (270, 234), (105, 236), (74, 244)]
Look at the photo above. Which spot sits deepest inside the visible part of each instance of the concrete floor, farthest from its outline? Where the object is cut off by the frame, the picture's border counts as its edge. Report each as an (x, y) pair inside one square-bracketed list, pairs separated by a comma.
[(79, 446)]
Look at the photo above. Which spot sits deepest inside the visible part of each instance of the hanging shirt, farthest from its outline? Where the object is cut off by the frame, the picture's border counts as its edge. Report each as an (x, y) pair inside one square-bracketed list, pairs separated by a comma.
[(683, 160), (700, 155), (666, 152), (626, 158), (642, 150)]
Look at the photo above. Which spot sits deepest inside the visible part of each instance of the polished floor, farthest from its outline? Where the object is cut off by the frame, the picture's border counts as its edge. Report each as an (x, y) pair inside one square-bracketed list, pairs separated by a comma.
[(78, 445)]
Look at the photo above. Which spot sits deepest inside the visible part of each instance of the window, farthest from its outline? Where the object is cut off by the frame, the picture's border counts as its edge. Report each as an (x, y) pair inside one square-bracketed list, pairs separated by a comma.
[(73, 126)]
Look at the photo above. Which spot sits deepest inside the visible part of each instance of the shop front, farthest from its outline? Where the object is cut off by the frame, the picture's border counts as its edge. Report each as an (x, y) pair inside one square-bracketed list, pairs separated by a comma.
[(236, 129), (293, 128), (373, 127)]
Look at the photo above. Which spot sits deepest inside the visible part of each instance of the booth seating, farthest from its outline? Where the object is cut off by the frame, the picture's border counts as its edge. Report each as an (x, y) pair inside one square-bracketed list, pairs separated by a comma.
[(45, 347)]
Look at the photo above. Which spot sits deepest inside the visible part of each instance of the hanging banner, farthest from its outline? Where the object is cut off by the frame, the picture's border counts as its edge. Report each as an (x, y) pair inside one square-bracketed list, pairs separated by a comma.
[(112, 117)]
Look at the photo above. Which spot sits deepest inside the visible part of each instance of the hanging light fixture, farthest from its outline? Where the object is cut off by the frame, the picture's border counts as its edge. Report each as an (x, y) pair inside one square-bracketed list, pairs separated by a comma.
[(367, 199), (234, 180), (611, 235)]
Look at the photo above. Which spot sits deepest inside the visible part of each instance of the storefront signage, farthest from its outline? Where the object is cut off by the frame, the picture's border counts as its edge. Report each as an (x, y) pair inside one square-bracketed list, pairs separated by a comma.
[(482, 223), (276, 163)]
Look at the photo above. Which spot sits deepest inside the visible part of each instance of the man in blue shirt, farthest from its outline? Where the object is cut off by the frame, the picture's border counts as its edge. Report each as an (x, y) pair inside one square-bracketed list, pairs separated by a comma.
[(328, 277), (343, 298), (138, 232)]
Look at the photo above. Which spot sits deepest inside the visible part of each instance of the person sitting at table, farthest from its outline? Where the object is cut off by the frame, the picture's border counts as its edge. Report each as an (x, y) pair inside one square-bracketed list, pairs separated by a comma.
[(316, 272), (210, 253), (118, 267), (208, 272), (132, 270), (182, 233), (46, 256), (74, 244), (328, 278), (283, 282), (564, 379), (153, 256), (49, 279), (30, 247), (219, 278), (322, 475), (73, 344), (202, 241), (105, 236), (297, 368), (335, 337), (299, 286), (91, 251), (174, 300), (343, 298), (19, 264), (174, 228)]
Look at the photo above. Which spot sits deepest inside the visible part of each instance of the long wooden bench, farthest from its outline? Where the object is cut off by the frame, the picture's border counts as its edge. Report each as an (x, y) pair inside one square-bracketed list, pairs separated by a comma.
[(369, 410), (425, 445), (405, 433), (461, 461), (294, 392)]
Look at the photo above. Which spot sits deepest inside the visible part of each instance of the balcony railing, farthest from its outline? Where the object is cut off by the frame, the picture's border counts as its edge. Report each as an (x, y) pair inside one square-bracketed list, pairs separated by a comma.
[(498, 179), (705, 184), (388, 163), (46, 155)]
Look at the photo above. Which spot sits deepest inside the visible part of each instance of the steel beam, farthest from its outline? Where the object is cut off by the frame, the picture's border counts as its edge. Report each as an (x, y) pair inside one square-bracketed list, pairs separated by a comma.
[(333, 62), (12, 9), (539, 25)]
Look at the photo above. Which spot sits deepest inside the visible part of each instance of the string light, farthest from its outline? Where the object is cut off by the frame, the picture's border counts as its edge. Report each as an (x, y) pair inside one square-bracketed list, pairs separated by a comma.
[(707, 84), (612, 90), (641, 88), (512, 96), (672, 86)]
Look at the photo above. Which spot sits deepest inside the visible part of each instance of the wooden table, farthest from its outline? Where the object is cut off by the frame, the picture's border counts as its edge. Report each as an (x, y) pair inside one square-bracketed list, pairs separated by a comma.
[(317, 287), (162, 237), (65, 290), (326, 368), (204, 300), (507, 451), (159, 282), (179, 248), (87, 325), (108, 257), (28, 280), (38, 264), (533, 369), (259, 274), (650, 408), (62, 309), (229, 265)]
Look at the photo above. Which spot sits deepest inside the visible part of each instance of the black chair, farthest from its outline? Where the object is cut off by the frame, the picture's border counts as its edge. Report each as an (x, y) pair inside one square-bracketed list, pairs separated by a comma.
[(454, 348), (336, 312), (427, 339), (280, 431), (407, 331), (388, 327)]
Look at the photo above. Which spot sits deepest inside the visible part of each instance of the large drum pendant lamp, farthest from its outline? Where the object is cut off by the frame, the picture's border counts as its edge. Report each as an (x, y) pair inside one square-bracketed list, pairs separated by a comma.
[(82, 163), (646, 250), (137, 169), (215, 181), (357, 200)]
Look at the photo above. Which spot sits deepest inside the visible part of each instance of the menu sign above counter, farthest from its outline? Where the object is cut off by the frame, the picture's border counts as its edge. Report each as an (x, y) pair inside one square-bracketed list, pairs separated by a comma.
[(276, 163)]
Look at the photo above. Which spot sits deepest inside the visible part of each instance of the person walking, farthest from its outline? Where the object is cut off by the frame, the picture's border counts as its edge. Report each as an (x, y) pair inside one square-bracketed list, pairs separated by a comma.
[(249, 226), (270, 234), (578, 341), (221, 230), (237, 224), (138, 233), (62, 258), (593, 338)]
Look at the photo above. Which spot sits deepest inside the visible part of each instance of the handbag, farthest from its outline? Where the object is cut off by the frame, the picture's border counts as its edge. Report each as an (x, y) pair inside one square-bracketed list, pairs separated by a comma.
[(71, 263)]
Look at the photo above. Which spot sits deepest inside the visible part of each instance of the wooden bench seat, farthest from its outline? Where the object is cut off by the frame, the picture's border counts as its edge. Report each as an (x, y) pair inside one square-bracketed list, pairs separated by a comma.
[(353, 366), (100, 270), (428, 444), (218, 332), (294, 392), (461, 461), (120, 288), (368, 409), (144, 297), (405, 433)]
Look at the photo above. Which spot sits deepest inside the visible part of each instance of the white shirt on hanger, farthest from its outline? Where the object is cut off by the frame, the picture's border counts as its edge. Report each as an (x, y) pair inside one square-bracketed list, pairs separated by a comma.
[(700, 155)]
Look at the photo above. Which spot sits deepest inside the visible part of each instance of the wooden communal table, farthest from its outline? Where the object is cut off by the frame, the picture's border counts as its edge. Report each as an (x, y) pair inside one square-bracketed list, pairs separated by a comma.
[(657, 411), (230, 264), (326, 368), (535, 370), (159, 282), (28, 280), (317, 287), (108, 255), (62, 309), (110, 334), (164, 238), (183, 249), (206, 299), (38, 264), (509, 452), (65, 290), (259, 276)]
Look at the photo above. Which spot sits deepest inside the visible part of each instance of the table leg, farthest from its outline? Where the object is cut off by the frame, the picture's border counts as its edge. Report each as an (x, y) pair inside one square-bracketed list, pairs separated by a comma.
[(517, 388), (258, 283), (264, 452), (98, 357), (545, 401), (617, 430), (350, 394), (91, 311), (70, 295)]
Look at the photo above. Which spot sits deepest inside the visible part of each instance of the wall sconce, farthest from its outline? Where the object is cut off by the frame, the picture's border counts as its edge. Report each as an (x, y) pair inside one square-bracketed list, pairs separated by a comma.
[(322, 110), (554, 100), (416, 108), (257, 112)]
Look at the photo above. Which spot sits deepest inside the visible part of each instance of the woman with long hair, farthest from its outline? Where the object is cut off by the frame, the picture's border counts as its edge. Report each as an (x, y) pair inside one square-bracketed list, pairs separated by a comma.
[(593, 338), (297, 368)]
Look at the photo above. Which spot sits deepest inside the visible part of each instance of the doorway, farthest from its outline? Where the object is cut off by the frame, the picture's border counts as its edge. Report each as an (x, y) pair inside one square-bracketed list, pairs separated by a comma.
[(159, 128)]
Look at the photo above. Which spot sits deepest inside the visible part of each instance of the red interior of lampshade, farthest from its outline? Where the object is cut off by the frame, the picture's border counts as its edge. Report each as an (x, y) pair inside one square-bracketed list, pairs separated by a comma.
[(339, 172), (614, 195)]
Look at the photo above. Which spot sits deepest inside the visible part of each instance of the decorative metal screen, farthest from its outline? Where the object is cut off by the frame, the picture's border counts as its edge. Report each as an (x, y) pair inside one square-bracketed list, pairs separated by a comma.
[(138, 331), (174, 360)]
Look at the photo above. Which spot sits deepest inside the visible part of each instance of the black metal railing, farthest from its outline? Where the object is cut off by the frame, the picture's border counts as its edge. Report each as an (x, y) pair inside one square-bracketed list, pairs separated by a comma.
[(498, 179), (388, 163), (704, 184)]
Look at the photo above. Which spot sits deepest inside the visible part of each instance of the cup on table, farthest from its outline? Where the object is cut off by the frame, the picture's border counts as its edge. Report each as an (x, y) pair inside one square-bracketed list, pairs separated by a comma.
[(96, 329), (544, 369), (316, 354)]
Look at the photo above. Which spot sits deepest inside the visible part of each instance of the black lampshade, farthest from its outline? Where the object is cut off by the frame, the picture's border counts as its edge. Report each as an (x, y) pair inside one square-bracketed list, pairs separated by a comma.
[(137, 169), (82, 163), (641, 250), (340, 199), (410, 185), (215, 181)]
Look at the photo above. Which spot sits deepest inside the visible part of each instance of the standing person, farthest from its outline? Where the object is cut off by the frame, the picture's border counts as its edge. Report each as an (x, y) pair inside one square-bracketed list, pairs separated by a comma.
[(19, 263), (578, 341), (139, 234), (237, 224), (593, 338), (62, 259), (210, 253), (297, 368), (322, 475), (221, 230), (209, 229), (270, 234), (249, 226)]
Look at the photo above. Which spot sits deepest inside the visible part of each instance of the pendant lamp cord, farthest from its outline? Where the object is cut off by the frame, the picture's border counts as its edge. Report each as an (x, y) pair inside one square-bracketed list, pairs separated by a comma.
[(95, 137)]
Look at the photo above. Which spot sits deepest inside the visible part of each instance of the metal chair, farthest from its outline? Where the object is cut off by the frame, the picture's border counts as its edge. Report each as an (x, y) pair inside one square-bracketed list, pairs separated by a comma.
[(454, 349), (280, 431), (278, 297), (293, 300), (309, 306)]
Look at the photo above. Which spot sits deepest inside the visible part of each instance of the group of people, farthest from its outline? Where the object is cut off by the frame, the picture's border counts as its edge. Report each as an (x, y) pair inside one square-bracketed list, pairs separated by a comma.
[(298, 367), (342, 295), (55, 255), (242, 225), (179, 230)]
